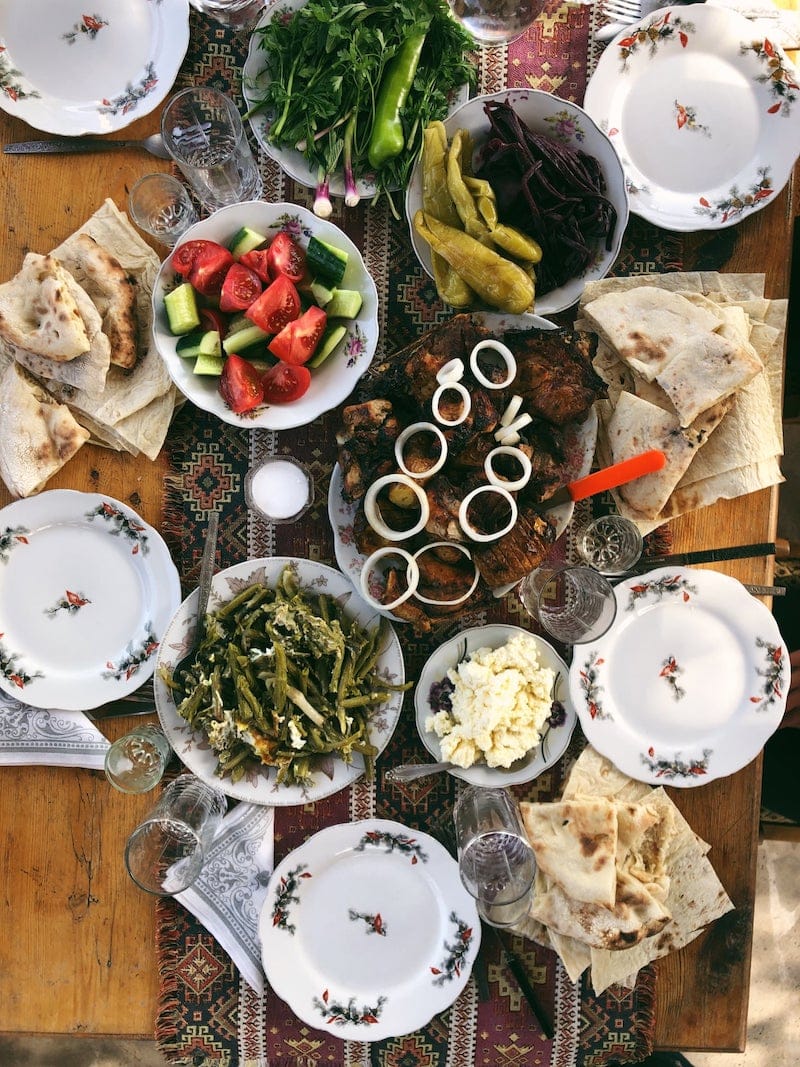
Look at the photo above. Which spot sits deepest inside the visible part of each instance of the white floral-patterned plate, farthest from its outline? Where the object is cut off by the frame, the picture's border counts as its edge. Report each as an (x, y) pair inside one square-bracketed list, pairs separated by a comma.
[(704, 114), (255, 79), (335, 379), (564, 122), (86, 591), (72, 69), (689, 682), (555, 735), (259, 786), (580, 445), (367, 931)]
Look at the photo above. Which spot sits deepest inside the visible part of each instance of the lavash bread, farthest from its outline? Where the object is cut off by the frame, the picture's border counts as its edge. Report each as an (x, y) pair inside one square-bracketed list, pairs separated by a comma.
[(38, 434), (39, 312)]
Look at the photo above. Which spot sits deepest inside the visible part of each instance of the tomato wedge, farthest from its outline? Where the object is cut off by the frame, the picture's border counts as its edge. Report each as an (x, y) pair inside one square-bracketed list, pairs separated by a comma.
[(277, 306), (204, 264), (210, 319), (297, 342), (240, 385), (285, 256), (257, 261), (283, 383), (241, 287), (184, 256)]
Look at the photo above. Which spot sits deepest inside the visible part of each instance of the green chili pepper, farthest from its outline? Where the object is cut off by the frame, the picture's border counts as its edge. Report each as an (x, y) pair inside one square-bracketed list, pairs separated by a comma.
[(388, 139)]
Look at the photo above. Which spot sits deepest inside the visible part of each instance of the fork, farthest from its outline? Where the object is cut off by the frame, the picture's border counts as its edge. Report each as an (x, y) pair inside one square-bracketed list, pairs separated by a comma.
[(60, 145), (619, 13)]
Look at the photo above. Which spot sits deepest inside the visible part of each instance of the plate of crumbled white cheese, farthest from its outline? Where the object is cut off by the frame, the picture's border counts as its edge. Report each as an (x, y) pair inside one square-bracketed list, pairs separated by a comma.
[(494, 701)]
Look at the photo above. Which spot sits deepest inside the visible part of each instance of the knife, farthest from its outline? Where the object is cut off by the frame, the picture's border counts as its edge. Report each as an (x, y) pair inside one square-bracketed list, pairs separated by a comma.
[(607, 478)]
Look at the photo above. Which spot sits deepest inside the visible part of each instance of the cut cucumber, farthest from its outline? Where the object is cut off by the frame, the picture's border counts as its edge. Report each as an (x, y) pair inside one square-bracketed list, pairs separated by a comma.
[(238, 322), (188, 346), (181, 308), (209, 364), (245, 240), (332, 337), (244, 338), (344, 304), (321, 293), (199, 344), (326, 262)]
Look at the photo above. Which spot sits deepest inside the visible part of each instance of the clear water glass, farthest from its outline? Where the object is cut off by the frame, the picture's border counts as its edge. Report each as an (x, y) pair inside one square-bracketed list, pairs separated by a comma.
[(611, 544), (166, 852), (493, 22), (495, 860), (235, 14), (160, 205), (136, 762), (575, 604), (206, 138)]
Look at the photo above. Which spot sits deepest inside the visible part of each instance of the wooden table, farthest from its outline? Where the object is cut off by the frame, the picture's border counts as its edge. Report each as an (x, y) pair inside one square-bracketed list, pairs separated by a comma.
[(78, 953)]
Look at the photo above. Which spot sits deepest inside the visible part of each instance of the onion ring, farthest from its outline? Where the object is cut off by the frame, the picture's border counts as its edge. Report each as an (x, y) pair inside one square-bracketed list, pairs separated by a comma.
[(522, 459), (452, 371), (468, 554), (420, 427), (470, 530), (462, 392), (508, 358), (412, 577), (373, 512)]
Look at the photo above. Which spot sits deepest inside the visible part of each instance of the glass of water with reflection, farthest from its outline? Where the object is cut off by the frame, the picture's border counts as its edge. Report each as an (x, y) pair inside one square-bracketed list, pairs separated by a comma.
[(496, 21), (206, 138)]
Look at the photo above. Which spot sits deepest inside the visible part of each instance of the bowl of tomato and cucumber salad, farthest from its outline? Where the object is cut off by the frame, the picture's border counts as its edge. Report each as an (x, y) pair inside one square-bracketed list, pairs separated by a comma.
[(265, 315)]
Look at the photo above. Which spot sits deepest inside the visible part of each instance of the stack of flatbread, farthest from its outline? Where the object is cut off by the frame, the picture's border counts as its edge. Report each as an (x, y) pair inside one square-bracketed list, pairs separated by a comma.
[(693, 362), (622, 878), (77, 360)]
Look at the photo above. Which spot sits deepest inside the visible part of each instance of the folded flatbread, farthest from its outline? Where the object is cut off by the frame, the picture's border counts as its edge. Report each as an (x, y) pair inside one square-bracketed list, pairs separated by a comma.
[(112, 290), (38, 434), (39, 311), (705, 370)]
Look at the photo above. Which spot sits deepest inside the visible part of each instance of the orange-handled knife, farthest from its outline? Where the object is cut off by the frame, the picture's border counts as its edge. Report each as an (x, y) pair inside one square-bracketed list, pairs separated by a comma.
[(607, 478)]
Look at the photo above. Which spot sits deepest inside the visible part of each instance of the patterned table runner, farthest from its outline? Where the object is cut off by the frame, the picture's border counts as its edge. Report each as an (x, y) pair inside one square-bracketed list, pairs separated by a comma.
[(207, 1014)]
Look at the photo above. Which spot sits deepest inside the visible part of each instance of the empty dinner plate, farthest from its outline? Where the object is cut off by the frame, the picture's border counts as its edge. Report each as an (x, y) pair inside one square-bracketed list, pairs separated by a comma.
[(688, 683), (703, 112)]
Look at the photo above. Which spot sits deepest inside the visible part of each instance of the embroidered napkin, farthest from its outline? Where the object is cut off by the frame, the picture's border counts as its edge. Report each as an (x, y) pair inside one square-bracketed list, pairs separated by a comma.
[(227, 897), (48, 736)]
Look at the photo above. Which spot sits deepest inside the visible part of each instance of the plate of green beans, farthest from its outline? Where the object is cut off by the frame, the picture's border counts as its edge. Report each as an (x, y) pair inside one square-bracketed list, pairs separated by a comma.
[(294, 689)]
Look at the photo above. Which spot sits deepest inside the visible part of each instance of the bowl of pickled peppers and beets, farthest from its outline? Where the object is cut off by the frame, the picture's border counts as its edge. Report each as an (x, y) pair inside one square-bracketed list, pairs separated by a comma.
[(517, 201), (265, 315)]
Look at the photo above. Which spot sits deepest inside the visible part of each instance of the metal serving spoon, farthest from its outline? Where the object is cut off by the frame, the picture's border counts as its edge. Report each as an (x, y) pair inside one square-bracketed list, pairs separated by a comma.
[(409, 772), (203, 593), (61, 145)]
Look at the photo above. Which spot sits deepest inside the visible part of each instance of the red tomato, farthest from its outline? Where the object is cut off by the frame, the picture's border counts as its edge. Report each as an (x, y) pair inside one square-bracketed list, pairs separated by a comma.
[(241, 287), (283, 383), (210, 319), (240, 385), (277, 306), (257, 261), (296, 342), (184, 256), (285, 256), (209, 268)]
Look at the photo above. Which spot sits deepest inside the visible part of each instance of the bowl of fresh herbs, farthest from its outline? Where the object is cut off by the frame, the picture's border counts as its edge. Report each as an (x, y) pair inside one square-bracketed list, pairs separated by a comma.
[(517, 170), (340, 93)]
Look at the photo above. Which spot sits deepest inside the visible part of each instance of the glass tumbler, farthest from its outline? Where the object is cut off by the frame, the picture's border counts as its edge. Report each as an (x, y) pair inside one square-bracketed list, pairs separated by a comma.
[(160, 205), (495, 859), (165, 852), (280, 489), (235, 14), (575, 604), (205, 136), (136, 762), (496, 21), (611, 544)]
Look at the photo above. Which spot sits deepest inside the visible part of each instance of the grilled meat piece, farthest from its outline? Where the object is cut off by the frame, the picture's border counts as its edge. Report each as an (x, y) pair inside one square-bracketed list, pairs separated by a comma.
[(454, 339), (555, 374), (522, 549), (366, 445), (444, 500)]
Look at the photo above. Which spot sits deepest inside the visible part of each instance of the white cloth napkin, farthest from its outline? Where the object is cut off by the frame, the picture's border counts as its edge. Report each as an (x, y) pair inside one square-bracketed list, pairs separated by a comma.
[(230, 891), (48, 736)]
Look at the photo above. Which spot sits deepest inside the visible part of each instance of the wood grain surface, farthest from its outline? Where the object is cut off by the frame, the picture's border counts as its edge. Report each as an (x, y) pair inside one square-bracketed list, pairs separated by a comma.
[(77, 954)]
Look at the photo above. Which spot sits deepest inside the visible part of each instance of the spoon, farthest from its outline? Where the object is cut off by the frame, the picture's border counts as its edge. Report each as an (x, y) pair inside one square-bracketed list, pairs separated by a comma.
[(153, 144), (203, 593), (409, 772)]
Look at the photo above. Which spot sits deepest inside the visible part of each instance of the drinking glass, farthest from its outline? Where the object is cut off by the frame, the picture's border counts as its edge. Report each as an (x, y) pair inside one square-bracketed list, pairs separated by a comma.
[(495, 859), (496, 21), (205, 136), (161, 206), (280, 489), (235, 14), (611, 544), (136, 762), (165, 853), (575, 604)]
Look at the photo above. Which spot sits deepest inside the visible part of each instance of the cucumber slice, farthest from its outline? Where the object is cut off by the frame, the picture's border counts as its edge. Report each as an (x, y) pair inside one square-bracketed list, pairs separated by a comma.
[(321, 293), (188, 346), (344, 304), (244, 338), (331, 339), (326, 262), (238, 322), (208, 364), (245, 240), (181, 308)]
